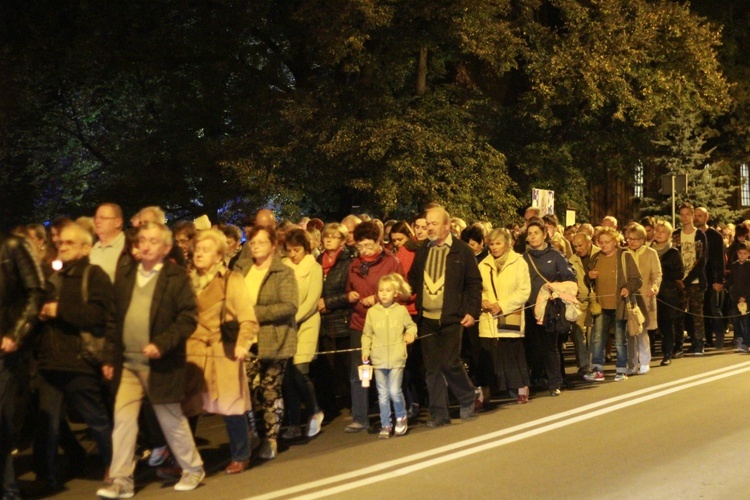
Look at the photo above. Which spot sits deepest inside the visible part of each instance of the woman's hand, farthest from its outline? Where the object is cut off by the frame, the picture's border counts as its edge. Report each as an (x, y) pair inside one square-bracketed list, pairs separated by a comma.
[(368, 301), (352, 296), (240, 352), (321, 305), (624, 292)]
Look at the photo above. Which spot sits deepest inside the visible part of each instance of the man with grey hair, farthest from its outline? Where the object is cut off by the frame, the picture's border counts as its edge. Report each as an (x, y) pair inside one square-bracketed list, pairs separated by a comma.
[(154, 313), (79, 300), (446, 279)]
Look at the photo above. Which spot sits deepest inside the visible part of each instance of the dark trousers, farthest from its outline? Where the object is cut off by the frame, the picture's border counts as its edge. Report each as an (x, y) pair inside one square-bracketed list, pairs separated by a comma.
[(8, 390), (331, 372), (298, 389), (542, 351), (441, 351), (84, 393), (360, 395), (713, 304)]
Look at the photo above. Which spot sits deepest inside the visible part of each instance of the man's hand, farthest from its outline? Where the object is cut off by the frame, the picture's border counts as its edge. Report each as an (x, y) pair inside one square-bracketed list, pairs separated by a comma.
[(8, 345), (468, 321), (151, 352), (718, 287), (108, 371)]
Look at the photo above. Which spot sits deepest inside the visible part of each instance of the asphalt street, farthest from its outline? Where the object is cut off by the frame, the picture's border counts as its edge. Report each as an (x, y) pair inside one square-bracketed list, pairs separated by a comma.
[(677, 432)]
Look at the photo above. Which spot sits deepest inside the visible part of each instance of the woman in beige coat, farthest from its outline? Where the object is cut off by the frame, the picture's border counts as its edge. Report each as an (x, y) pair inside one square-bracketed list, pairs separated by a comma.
[(217, 382), (647, 260), (297, 385)]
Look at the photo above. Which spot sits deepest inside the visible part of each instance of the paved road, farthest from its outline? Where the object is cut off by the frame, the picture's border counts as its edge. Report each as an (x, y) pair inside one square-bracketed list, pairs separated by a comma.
[(677, 432)]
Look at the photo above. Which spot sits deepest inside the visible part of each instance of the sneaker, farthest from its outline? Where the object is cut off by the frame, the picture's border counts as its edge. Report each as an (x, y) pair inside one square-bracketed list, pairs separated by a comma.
[(742, 348), (158, 456), (678, 354), (630, 372), (467, 413), (116, 490), (644, 369), (698, 351), (401, 426), (292, 432), (313, 428), (554, 393), (385, 433), (620, 377), (355, 427), (190, 480), (595, 376)]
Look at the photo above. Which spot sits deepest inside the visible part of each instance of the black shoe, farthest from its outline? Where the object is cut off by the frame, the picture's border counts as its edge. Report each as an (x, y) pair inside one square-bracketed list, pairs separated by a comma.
[(678, 354), (41, 488), (665, 362), (437, 423)]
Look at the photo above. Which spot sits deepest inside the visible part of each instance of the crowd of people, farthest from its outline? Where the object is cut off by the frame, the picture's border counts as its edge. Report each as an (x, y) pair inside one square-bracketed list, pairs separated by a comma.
[(141, 330)]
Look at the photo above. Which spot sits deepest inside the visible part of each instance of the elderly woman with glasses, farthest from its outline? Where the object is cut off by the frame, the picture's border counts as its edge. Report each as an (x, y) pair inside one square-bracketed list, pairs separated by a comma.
[(647, 260), (372, 263)]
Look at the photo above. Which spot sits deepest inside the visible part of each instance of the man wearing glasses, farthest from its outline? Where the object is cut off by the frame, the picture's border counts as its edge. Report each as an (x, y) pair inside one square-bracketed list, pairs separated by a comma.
[(107, 250)]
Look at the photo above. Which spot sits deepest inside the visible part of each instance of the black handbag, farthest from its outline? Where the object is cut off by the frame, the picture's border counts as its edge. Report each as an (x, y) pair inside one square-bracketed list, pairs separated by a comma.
[(230, 330)]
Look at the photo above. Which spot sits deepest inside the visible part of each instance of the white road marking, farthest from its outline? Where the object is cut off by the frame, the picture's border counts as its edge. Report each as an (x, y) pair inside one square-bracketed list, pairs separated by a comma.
[(555, 421)]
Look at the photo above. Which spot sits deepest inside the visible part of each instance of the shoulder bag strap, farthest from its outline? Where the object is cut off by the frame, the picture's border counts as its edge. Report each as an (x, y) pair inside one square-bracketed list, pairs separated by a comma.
[(85, 284), (531, 259), (224, 300)]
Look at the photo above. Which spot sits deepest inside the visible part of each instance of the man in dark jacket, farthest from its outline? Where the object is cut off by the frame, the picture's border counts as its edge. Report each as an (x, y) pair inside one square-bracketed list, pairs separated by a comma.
[(65, 373), (21, 295), (446, 279), (154, 313), (715, 271)]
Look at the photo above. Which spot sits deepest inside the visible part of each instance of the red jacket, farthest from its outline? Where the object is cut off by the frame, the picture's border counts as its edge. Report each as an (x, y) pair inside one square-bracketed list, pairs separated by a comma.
[(368, 285)]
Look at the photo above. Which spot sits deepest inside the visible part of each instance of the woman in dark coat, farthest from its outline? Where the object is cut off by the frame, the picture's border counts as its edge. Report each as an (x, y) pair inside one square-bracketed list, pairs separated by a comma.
[(334, 318), (670, 297)]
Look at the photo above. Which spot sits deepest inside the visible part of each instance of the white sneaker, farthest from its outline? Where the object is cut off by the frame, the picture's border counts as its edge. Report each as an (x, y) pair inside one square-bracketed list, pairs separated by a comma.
[(315, 422), (190, 480), (116, 490), (401, 426), (644, 369)]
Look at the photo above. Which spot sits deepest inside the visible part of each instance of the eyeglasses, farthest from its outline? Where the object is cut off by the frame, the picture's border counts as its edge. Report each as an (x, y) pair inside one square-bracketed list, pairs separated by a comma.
[(366, 246), (332, 236), (633, 239)]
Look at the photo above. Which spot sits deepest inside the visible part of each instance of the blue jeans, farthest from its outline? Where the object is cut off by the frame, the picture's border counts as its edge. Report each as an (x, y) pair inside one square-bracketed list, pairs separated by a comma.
[(741, 326), (388, 382), (239, 437), (599, 340)]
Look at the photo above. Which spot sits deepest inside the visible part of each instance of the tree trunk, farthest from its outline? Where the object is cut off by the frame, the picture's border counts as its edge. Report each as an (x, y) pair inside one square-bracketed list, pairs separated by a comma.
[(422, 72)]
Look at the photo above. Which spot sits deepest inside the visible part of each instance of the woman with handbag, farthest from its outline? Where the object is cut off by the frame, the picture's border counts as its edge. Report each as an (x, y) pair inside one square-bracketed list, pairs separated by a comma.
[(216, 381), (546, 265), (506, 286), (647, 260), (614, 283)]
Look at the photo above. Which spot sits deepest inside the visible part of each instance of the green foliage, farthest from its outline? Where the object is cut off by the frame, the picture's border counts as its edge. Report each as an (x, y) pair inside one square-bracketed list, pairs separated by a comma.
[(312, 106)]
